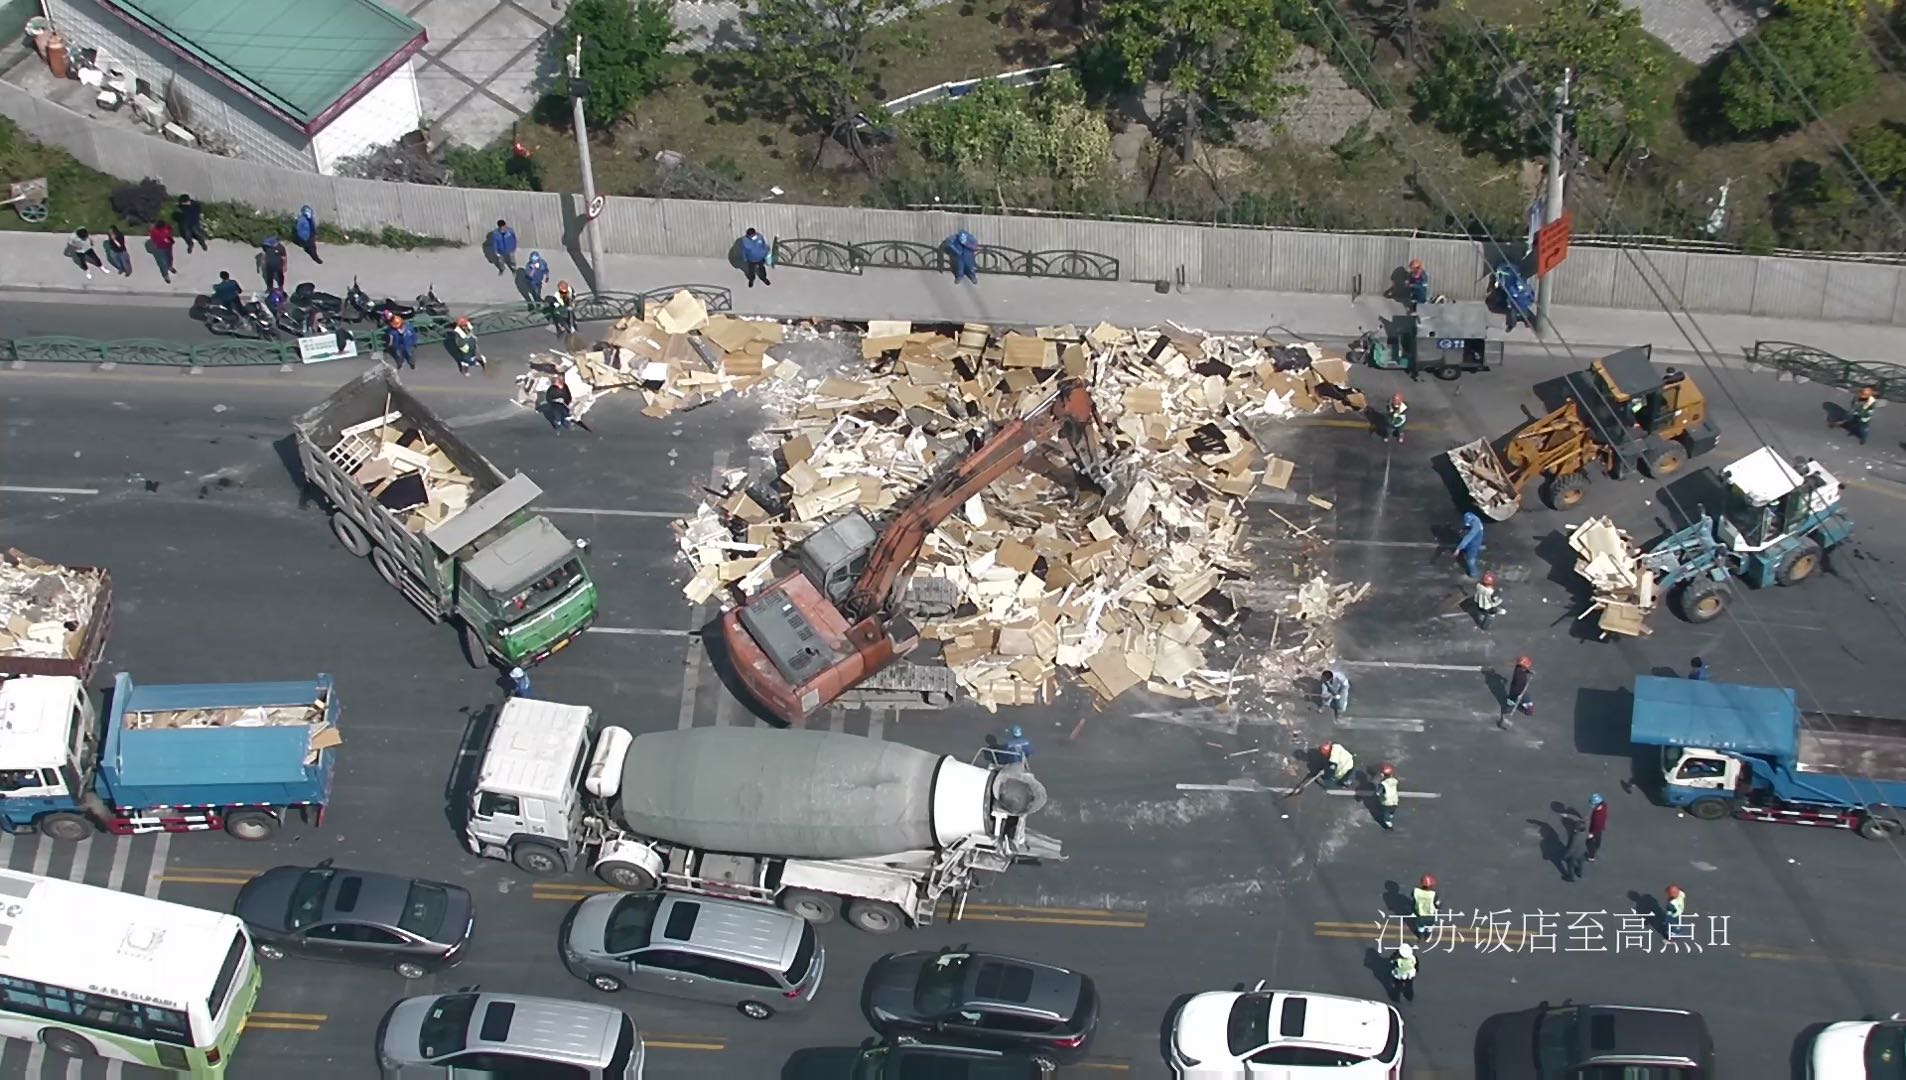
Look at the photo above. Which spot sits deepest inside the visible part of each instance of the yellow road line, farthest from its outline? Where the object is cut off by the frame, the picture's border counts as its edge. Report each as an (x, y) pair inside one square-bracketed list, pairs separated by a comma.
[(1089, 912), (202, 879), (269, 1015), (1888, 490), (1056, 921), (273, 1025), (1109, 1066), (683, 1043), (1056, 916), (1359, 425), (1888, 964)]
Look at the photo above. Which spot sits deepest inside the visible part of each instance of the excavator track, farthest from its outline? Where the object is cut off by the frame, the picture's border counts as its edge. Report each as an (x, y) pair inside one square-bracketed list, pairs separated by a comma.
[(905, 686)]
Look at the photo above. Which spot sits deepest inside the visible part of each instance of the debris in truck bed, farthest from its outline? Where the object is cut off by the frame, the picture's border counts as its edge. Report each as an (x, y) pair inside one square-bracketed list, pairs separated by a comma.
[(1624, 589), (256, 716), (403, 471), (44, 607), (1131, 590)]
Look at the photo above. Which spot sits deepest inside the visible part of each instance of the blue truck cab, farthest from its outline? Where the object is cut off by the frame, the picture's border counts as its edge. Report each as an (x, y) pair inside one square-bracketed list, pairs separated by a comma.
[(1728, 750), (184, 758)]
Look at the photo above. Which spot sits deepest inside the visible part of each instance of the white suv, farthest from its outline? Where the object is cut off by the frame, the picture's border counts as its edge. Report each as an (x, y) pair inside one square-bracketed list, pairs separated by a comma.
[(1227, 1035)]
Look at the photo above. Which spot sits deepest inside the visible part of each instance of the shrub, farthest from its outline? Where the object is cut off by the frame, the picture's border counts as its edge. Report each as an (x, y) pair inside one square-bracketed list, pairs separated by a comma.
[(139, 204), (1809, 59)]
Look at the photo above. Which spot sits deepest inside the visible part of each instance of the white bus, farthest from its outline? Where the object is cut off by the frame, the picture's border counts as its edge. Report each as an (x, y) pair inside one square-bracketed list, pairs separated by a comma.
[(91, 972)]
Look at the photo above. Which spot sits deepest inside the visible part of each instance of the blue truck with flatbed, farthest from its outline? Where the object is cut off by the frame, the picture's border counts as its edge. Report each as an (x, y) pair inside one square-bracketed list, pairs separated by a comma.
[(242, 757), (1728, 750)]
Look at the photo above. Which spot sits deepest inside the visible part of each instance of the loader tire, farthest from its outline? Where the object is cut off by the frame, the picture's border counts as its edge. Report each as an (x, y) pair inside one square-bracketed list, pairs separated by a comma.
[(1800, 564), (1703, 600), (1667, 462), (1565, 492)]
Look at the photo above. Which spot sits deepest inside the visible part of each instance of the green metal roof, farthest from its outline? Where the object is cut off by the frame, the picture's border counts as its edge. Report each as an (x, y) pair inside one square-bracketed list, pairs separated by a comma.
[(298, 57)]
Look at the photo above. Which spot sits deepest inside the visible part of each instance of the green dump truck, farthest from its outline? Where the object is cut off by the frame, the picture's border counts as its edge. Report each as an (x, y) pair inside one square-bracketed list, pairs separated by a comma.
[(441, 524)]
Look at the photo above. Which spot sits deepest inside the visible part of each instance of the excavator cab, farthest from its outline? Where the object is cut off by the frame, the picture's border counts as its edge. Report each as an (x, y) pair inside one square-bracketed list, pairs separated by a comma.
[(834, 556)]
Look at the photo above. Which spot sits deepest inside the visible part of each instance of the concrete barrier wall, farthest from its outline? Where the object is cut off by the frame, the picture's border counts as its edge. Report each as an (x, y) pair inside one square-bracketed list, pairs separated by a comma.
[(1202, 256)]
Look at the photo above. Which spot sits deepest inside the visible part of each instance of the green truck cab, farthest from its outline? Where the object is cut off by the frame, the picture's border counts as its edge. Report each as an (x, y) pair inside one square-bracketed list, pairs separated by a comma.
[(443, 525)]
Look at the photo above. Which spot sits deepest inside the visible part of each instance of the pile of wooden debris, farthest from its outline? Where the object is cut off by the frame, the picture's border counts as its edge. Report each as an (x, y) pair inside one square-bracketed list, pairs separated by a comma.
[(1130, 590), (404, 471), (1624, 586), (44, 608)]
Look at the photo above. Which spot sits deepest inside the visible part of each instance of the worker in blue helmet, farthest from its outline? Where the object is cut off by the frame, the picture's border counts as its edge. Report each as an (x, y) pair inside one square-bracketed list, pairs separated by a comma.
[(1015, 750)]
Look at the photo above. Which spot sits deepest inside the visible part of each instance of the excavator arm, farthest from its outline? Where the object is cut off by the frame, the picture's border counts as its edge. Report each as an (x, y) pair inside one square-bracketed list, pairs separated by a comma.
[(1067, 413)]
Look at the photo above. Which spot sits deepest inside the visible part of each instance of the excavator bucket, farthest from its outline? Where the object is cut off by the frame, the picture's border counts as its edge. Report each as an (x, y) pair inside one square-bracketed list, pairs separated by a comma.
[(1486, 477)]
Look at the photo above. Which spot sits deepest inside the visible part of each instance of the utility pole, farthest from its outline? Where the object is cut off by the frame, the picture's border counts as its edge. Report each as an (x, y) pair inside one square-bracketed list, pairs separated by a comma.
[(1551, 203), (578, 90)]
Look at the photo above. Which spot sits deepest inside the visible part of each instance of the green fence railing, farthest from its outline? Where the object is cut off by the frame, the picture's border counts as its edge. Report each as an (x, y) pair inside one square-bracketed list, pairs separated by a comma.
[(1818, 365), (229, 352)]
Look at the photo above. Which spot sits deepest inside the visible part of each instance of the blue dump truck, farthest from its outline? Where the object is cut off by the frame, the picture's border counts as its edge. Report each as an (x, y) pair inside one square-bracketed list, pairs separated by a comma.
[(243, 757), (1750, 752)]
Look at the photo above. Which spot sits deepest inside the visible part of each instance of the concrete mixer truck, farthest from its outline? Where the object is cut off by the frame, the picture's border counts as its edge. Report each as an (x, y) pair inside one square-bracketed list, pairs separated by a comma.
[(822, 824)]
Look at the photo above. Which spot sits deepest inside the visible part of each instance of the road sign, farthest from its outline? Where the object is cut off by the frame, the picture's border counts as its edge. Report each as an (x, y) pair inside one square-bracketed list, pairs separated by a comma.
[(1551, 243), (596, 206)]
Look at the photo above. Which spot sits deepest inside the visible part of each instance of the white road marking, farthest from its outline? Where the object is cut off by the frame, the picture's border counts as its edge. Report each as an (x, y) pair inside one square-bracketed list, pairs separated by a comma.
[(42, 855), (692, 667), (1408, 665), (22, 489), (1254, 786), (643, 631), (877, 722), (1380, 723), (1387, 543), (671, 514), (1401, 794)]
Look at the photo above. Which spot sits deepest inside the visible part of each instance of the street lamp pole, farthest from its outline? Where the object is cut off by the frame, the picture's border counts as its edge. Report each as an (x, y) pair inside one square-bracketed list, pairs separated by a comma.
[(1552, 202), (578, 90)]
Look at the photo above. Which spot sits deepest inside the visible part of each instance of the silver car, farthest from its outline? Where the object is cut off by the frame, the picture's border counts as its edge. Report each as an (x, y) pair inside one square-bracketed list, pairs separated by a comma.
[(472, 1034), (761, 960)]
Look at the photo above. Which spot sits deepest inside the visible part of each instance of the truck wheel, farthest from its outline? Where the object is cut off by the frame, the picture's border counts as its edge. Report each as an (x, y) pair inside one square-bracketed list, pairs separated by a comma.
[(350, 535), (538, 859), (1703, 600), (1879, 828), (874, 916), (818, 908), (67, 1043), (1799, 564), (1566, 491), (473, 646), (386, 567), (251, 825), (1665, 463), (626, 876), (66, 828), (1710, 809)]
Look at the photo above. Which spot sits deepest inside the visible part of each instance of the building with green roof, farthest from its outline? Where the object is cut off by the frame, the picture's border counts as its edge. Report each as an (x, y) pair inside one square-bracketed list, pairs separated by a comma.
[(298, 83)]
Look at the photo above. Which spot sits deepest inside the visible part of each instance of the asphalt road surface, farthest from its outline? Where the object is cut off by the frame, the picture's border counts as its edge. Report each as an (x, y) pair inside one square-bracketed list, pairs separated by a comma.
[(1186, 869)]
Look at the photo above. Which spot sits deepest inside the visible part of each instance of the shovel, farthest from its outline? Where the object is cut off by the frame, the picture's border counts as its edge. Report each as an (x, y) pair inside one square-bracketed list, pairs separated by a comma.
[(1316, 777)]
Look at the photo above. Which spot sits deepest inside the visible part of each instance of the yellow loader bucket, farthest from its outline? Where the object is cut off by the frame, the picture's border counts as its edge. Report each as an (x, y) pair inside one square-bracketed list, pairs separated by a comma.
[(1486, 477)]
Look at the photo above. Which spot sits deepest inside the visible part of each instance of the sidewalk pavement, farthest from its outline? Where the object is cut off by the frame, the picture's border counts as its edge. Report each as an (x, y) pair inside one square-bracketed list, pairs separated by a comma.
[(32, 262)]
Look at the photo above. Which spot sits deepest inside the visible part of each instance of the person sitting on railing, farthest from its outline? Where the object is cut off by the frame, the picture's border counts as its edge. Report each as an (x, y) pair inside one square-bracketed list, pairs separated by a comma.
[(965, 251)]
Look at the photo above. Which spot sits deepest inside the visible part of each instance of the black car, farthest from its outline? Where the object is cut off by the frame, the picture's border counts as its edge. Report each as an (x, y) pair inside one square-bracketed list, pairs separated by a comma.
[(1586, 1042), (981, 999), (356, 915), (915, 1062)]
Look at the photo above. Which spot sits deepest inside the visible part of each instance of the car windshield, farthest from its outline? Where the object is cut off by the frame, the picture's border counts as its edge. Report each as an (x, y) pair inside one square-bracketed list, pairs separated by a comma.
[(446, 1027), (941, 978), (1886, 1052), (307, 898), (1555, 1041), (424, 909), (1250, 1025), (630, 923), (544, 590)]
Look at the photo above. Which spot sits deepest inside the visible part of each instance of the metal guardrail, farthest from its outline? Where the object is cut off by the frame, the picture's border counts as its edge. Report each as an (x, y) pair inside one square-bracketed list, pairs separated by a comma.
[(230, 352), (1818, 365), (835, 257)]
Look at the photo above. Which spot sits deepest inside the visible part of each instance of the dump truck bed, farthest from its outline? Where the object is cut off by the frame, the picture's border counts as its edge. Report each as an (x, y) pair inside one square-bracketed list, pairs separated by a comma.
[(220, 744), (1865, 748), (341, 443), (54, 619)]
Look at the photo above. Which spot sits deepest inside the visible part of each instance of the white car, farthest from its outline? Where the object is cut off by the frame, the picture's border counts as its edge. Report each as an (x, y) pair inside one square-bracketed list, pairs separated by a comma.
[(1286, 1035), (1859, 1048)]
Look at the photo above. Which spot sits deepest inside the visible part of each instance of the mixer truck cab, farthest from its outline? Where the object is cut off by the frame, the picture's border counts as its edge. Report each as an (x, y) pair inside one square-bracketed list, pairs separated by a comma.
[(821, 824)]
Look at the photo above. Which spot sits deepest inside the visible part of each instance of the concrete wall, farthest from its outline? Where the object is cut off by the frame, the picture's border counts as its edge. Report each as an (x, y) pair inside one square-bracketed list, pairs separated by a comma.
[(1269, 259)]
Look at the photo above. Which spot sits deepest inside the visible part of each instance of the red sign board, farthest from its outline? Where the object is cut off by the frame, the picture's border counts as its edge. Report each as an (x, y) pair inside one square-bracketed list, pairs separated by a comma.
[(1551, 243)]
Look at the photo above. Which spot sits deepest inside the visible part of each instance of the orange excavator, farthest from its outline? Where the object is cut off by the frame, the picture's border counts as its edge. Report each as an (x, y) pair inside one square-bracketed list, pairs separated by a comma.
[(836, 625)]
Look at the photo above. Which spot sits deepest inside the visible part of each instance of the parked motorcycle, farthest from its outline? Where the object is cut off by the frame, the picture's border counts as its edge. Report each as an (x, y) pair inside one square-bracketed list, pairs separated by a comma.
[(250, 320), (378, 311), (428, 304), (1514, 294), (307, 296)]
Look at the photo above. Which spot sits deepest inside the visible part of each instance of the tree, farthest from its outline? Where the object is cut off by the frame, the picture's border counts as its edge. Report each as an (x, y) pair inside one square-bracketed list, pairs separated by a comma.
[(1495, 88), (1220, 59), (624, 53), (1809, 59), (1880, 150), (1017, 140), (814, 58)]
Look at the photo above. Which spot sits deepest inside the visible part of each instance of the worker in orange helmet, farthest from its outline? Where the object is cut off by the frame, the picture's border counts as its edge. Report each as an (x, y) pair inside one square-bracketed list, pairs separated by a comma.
[(1517, 696), (1488, 600), (463, 346), (1674, 912), (1860, 418), (1394, 419), (1388, 795), (1418, 284), (1338, 762), (401, 341), (1423, 909)]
